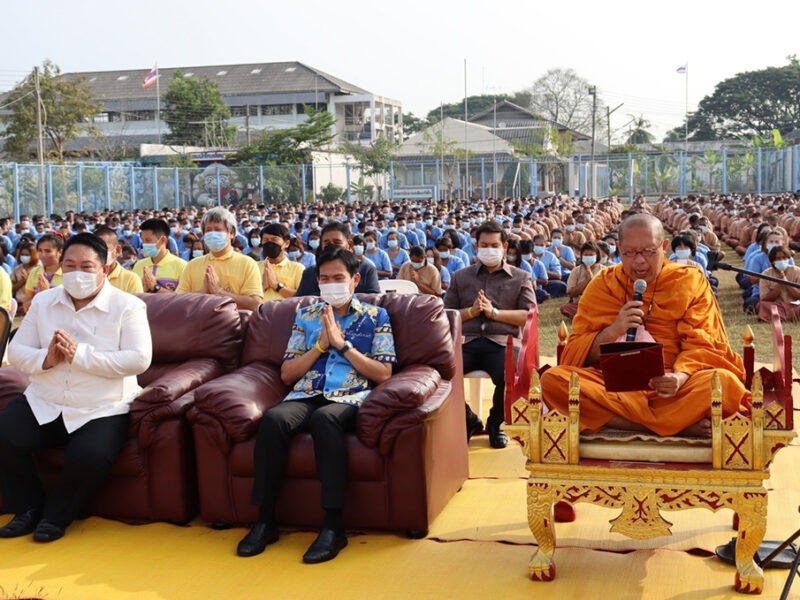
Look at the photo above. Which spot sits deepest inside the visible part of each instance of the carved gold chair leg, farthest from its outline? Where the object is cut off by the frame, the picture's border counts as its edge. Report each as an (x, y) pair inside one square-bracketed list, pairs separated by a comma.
[(751, 507), (540, 519)]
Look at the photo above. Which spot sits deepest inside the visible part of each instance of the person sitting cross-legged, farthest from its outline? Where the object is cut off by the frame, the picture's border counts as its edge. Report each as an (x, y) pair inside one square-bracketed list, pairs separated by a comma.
[(82, 343), (339, 350)]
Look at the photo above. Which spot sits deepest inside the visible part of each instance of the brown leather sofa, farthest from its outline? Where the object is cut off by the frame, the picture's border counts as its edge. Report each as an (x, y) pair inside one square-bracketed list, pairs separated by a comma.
[(407, 457), (154, 476)]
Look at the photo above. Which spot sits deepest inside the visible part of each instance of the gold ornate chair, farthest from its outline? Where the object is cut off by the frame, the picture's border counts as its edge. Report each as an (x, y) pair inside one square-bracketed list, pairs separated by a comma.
[(645, 474)]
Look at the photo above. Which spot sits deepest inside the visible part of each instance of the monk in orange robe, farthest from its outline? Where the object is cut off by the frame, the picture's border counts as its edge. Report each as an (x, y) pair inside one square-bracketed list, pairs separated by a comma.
[(679, 311)]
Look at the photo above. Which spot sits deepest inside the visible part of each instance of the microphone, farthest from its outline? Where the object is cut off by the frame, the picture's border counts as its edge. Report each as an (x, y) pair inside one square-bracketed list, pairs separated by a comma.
[(639, 286)]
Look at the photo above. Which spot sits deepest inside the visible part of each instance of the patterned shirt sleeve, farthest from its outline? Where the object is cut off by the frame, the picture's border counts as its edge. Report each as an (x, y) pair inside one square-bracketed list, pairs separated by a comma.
[(383, 340), (297, 341)]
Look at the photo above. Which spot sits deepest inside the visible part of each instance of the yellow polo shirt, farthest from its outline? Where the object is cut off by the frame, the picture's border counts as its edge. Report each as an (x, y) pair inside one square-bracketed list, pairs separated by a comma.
[(167, 271), (237, 273), (288, 272), (124, 280), (32, 285), (5, 291)]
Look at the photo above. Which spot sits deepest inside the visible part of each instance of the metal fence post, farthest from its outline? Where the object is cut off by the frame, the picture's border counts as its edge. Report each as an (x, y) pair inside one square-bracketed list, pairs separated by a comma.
[(438, 181), (630, 177), (15, 176), (646, 175), (795, 169), (391, 179), (219, 189), (49, 180), (581, 176), (155, 188), (79, 185), (534, 185), (108, 186), (758, 172), (261, 183), (132, 186), (724, 171), (682, 182), (303, 176), (176, 180), (608, 176), (483, 178), (347, 173)]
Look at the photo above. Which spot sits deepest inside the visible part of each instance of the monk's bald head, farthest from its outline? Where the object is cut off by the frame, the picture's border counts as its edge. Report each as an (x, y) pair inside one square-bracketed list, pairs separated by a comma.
[(642, 221)]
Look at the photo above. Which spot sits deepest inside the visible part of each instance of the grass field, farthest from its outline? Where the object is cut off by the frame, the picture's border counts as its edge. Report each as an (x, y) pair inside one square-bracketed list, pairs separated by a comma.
[(730, 301)]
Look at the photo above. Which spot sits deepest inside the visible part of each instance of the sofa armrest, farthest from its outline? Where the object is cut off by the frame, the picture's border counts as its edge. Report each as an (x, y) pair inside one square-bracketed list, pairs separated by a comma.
[(13, 384), (145, 425), (238, 399), (180, 380), (430, 409), (403, 392)]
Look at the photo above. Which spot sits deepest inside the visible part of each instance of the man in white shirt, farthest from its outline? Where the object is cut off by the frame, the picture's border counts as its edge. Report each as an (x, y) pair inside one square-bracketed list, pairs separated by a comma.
[(82, 343)]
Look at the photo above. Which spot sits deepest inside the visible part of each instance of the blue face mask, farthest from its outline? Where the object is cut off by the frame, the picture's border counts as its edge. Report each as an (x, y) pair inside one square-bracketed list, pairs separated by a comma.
[(444, 254), (683, 253), (149, 250), (430, 260), (294, 255), (557, 242), (216, 240), (358, 249), (527, 257), (589, 260), (781, 265), (538, 249), (612, 248), (314, 243), (392, 243)]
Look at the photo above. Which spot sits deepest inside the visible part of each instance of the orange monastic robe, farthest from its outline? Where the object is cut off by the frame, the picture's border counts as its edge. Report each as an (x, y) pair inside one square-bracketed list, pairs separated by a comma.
[(686, 319)]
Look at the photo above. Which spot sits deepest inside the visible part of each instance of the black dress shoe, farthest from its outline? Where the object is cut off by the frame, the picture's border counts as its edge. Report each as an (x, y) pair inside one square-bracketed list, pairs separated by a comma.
[(497, 437), (259, 537), (48, 532), (325, 547), (22, 524), (474, 427)]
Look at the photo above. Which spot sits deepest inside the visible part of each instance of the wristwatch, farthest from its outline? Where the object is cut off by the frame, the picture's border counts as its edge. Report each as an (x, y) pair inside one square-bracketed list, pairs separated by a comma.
[(495, 312), (347, 346), (156, 288), (279, 287)]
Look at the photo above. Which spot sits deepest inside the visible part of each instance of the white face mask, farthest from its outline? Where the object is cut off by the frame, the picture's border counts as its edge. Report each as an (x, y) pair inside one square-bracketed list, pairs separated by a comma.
[(79, 284), (490, 257), (335, 294)]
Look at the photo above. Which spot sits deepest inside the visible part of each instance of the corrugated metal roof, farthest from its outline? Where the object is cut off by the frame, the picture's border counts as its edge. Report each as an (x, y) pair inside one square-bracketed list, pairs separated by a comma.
[(232, 80)]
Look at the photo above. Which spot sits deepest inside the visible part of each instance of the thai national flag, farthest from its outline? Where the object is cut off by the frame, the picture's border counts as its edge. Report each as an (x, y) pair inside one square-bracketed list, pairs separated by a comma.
[(681, 70), (150, 78)]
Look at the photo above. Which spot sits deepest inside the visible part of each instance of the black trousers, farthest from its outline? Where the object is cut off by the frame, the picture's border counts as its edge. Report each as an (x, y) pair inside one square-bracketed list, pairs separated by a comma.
[(328, 422), (482, 354), (90, 452)]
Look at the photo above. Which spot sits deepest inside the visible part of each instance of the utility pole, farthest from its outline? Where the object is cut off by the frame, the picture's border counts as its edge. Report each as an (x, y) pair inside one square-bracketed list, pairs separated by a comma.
[(608, 121), (40, 143)]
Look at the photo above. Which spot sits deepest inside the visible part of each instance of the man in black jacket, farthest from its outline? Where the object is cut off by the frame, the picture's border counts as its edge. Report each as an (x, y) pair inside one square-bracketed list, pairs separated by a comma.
[(338, 234)]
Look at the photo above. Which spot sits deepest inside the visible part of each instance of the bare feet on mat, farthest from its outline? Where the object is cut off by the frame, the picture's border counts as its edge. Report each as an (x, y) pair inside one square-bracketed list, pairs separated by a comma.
[(700, 429), (625, 424)]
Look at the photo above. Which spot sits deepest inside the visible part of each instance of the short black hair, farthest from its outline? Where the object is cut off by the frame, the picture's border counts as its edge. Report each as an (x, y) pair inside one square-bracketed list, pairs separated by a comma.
[(103, 230), (684, 239), (337, 226), (276, 229), (56, 240), (157, 226), (90, 240), (490, 227), (332, 253), (417, 252)]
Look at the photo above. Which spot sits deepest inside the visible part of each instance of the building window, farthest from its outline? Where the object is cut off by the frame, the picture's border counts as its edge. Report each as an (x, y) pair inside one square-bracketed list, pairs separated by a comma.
[(301, 108), (101, 118), (140, 115), (276, 109), (114, 117), (240, 111)]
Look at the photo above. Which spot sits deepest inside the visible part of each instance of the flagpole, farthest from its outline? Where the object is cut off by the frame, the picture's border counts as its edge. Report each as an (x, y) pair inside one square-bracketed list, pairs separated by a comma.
[(158, 103)]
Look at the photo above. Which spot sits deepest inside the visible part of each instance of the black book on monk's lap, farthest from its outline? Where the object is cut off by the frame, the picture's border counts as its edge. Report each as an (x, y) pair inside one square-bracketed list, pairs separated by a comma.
[(629, 366)]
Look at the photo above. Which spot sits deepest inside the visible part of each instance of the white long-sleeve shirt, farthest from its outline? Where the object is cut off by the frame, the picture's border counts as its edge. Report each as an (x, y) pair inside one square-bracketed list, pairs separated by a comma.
[(114, 346)]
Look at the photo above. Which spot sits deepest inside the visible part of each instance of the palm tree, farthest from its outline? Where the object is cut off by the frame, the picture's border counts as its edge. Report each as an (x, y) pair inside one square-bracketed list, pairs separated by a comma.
[(639, 133)]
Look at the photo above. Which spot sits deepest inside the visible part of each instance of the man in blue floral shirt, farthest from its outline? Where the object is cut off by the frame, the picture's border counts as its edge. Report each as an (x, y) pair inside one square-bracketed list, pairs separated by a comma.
[(339, 350)]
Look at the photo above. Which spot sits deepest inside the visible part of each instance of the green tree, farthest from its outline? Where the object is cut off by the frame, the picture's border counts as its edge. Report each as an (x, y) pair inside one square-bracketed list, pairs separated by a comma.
[(330, 193), (196, 113), (475, 105), (412, 125), (68, 108), (639, 133), (750, 103), (448, 151), (373, 160), (292, 145)]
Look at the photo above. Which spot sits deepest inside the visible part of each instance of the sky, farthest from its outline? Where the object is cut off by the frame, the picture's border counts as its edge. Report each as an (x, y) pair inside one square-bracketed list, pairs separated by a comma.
[(414, 51)]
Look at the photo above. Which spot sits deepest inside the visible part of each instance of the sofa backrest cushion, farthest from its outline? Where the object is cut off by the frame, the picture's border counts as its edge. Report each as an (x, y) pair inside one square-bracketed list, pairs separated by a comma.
[(186, 326), (422, 333)]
